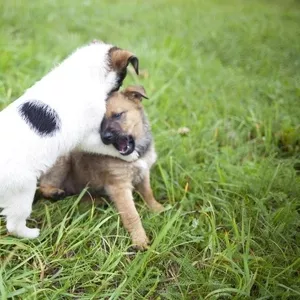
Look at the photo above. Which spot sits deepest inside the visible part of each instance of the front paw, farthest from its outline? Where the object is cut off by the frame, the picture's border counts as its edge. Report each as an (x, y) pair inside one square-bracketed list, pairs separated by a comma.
[(157, 207), (25, 232), (140, 242), (132, 157)]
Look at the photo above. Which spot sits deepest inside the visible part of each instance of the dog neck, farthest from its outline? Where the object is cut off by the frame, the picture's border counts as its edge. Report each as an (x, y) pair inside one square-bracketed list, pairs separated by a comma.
[(143, 144)]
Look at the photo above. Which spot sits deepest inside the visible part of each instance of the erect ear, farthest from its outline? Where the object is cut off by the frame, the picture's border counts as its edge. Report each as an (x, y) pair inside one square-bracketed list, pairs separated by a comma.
[(135, 92), (120, 59)]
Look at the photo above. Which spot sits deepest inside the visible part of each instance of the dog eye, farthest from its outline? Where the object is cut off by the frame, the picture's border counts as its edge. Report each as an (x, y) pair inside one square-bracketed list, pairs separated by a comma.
[(117, 116)]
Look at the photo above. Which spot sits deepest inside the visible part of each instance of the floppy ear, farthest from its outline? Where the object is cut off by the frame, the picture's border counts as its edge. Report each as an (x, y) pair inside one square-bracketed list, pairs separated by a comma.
[(120, 59), (135, 92)]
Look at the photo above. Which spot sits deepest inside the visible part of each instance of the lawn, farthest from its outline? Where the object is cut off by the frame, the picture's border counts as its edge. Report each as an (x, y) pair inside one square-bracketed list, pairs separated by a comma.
[(229, 71)]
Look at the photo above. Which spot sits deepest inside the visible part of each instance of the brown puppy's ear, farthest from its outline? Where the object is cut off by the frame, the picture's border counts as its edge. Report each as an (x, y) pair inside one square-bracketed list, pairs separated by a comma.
[(135, 92), (120, 59)]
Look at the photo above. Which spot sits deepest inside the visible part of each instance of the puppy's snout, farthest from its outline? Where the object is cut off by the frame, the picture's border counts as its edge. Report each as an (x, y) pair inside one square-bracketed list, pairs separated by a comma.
[(106, 133), (107, 137)]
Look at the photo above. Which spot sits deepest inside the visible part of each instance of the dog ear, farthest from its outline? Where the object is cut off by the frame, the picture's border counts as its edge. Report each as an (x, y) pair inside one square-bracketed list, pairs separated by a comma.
[(135, 92), (120, 59)]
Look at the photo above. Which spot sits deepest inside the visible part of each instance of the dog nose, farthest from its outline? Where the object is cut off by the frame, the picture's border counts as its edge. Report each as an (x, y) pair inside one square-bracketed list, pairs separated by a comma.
[(107, 137)]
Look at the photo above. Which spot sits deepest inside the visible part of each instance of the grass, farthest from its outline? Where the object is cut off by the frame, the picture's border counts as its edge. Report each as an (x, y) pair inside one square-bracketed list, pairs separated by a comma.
[(229, 71)]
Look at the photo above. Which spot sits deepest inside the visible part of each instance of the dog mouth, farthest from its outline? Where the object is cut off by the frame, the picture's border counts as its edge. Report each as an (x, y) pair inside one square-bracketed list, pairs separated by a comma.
[(124, 144)]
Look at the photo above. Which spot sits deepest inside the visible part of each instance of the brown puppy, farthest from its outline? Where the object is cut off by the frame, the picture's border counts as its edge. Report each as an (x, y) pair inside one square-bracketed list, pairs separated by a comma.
[(126, 127)]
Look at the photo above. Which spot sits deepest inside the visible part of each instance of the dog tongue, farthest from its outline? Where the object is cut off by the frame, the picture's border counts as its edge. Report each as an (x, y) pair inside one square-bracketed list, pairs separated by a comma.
[(123, 145)]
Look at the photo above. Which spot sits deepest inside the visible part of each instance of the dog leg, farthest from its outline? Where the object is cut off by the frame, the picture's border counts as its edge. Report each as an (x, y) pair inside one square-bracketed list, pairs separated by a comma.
[(51, 182), (123, 200), (144, 188), (18, 211), (52, 192)]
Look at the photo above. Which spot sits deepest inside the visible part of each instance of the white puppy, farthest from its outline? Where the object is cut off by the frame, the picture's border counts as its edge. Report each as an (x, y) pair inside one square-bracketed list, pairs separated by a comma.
[(59, 113)]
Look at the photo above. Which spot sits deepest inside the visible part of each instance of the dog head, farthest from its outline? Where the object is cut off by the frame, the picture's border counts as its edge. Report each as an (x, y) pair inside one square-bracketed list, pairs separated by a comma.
[(124, 122), (107, 62), (118, 62)]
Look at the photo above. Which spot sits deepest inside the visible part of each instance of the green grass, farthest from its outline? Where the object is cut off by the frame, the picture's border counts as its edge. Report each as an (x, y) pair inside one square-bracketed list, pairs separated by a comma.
[(229, 71)]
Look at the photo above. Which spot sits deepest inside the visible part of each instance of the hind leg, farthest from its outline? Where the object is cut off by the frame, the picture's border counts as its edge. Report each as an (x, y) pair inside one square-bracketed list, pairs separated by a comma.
[(144, 188), (51, 183), (123, 200), (18, 211), (52, 192)]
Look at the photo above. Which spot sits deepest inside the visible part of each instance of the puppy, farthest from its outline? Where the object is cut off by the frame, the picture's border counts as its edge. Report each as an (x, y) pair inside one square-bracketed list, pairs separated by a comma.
[(59, 113), (125, 126)]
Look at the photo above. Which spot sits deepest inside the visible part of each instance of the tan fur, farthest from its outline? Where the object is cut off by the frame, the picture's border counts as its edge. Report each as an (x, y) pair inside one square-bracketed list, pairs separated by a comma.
[(119, 59), (116, 177), (133, 123)]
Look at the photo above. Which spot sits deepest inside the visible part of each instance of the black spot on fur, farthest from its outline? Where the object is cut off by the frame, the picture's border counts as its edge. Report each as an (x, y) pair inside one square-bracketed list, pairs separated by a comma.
[(119, 82), (121, 76), (41, 118)]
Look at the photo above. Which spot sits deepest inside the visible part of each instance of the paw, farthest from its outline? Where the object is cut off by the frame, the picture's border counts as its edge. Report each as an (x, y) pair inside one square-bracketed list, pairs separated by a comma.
[(132, 157), (25, 232), (58, 194), (53, 193), (31, 233), (140, 243), (157, 207)]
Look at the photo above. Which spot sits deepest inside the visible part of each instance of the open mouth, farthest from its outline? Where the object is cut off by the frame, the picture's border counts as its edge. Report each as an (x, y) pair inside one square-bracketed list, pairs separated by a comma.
[(124, 144)]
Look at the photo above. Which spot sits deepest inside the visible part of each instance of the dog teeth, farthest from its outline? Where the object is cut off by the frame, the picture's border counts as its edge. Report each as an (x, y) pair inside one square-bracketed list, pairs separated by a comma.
[(124, 151)]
